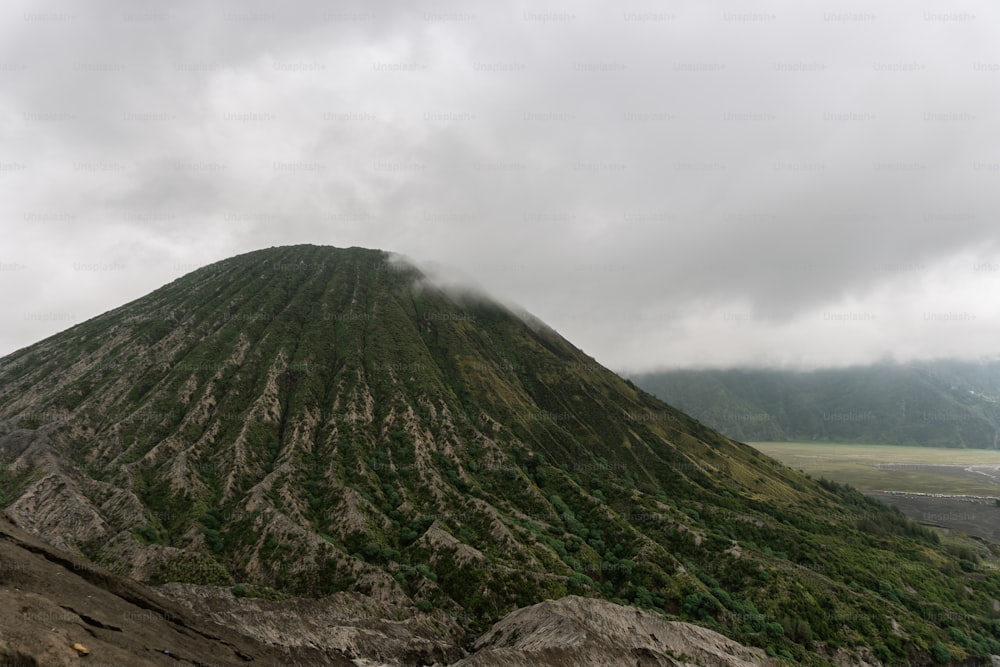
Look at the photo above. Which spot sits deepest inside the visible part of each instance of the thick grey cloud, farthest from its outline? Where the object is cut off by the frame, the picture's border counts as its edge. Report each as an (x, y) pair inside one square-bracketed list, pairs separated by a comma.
[(666, 184)]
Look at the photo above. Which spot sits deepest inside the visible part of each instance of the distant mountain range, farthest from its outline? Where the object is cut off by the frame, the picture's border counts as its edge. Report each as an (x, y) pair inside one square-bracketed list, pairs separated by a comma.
[(935, 403), (305, 423)]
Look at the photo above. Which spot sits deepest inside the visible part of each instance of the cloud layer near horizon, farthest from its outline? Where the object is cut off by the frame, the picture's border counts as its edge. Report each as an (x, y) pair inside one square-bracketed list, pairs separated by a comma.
[(666, 184)]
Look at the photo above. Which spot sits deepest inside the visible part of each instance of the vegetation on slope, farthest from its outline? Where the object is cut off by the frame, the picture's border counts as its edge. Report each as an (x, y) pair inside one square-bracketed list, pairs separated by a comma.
[(307, 420)]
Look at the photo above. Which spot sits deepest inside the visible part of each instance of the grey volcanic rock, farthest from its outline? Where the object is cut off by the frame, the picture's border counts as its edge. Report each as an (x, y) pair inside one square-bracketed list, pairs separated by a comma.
[(49, 601), (52, 507), (351, 624), (578, 632)]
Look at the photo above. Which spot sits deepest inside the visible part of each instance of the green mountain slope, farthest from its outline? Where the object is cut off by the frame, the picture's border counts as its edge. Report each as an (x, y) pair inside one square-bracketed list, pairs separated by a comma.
[(306, 420), (938, 403)]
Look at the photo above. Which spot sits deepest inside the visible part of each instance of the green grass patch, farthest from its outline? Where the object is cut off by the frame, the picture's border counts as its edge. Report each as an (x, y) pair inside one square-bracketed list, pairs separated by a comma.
[(889, 467)]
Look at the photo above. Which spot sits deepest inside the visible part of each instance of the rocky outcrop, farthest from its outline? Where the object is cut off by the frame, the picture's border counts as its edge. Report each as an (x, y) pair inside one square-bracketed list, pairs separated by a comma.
[(51, 602), (53, 507), (572, 631), (579, 632), (350, 624)]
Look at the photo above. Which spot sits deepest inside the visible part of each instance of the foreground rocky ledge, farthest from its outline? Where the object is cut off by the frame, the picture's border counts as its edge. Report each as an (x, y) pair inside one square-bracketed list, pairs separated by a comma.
[(573, 631), (50, 601)]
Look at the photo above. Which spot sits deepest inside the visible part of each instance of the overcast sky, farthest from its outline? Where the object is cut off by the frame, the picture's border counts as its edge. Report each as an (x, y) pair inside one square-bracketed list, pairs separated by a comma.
[(666, 183)]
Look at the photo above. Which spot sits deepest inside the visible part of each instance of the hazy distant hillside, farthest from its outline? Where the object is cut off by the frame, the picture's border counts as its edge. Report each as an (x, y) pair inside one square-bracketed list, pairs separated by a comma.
[(940, 403)]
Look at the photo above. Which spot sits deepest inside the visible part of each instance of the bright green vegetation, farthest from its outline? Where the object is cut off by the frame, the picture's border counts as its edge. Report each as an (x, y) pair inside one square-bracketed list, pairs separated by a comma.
[(889, 467), (934, 403), (309, 420)]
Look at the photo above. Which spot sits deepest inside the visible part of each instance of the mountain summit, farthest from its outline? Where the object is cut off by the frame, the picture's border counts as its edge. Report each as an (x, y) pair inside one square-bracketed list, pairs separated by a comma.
[(303, 421)]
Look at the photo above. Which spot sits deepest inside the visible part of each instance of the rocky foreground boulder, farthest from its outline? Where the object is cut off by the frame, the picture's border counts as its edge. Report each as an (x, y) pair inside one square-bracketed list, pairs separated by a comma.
[(580, 632), (573, 631)]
